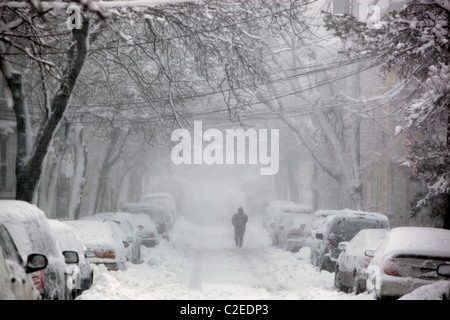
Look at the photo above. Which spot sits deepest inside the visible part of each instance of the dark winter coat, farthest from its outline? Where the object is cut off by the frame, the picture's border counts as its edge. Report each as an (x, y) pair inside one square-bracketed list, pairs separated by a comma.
[(239, 221)]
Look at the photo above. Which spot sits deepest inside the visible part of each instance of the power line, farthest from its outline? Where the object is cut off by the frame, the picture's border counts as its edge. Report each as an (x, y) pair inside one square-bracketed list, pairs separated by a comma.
[(253, 86)]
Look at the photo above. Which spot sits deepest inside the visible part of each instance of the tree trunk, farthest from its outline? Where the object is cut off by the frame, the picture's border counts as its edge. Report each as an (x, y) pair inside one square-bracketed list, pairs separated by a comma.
[(108, 162), (29, 165), (80, 157)]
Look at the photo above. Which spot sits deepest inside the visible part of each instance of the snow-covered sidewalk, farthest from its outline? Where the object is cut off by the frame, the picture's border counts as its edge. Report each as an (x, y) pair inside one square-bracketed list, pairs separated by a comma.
[(201, 262)]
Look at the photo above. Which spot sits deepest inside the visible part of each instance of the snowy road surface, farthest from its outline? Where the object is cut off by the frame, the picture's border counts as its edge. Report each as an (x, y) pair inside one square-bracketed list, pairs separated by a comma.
[(201, 262)]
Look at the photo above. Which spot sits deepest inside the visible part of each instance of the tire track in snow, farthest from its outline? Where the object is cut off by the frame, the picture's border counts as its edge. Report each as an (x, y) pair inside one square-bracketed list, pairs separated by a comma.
[(195, 283), (259, 267), (195, 290)]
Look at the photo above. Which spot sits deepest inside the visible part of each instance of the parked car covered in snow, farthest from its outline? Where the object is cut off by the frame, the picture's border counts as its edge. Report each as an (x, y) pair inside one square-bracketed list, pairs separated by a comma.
[(165, 201), (343, 227), (124, 221), (146, 230), (15, 280), (103, 242), (318, 218), (271, 211), (292, 234), (78, 269), (407, 259), (156, 213), (283, 218), (351, 267), (31, 233)]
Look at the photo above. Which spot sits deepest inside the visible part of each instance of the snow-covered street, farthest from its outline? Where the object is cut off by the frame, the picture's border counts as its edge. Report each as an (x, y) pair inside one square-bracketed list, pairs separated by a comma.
[(201, 262), (225, 150)]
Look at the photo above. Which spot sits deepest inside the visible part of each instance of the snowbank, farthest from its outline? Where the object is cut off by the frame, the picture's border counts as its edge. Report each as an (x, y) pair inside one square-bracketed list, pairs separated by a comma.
[(434, 291)]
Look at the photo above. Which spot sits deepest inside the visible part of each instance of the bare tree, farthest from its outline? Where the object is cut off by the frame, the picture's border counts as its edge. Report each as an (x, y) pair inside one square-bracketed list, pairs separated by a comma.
[(26, 29)]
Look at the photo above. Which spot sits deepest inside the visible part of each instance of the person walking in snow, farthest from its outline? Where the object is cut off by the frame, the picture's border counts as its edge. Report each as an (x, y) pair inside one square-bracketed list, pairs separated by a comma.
[(239, 222)]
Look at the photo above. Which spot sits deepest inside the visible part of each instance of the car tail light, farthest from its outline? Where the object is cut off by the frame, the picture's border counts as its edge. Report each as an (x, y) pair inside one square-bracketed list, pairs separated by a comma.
[(39, 280), (105, 254), (391, 268), (151, 235)]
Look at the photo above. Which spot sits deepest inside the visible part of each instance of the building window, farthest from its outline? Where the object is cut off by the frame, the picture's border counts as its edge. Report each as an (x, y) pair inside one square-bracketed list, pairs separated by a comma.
[(3, 164)]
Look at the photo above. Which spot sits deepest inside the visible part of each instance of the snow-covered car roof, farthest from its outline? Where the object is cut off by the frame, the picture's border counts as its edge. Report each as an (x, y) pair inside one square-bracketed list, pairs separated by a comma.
[(296, 208), (140, 206), (67, 239), (123, 218), (347, 214), (29, 228), (96, 234), (325, 213), (365, 214), (415, 240)]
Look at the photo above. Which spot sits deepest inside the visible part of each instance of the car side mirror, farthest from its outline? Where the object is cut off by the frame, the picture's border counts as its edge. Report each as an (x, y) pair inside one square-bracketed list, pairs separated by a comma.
[(443, 270), (342, 245), (125, 244), (71, 257), (369, 253), (319, 236), (36, 262)]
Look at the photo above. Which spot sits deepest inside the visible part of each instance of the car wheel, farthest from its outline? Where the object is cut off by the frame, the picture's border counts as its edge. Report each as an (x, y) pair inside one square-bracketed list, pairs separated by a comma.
[(321, 264), (338, 281), (356, 283), (275, 241), (314, 260), (73, 294)]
